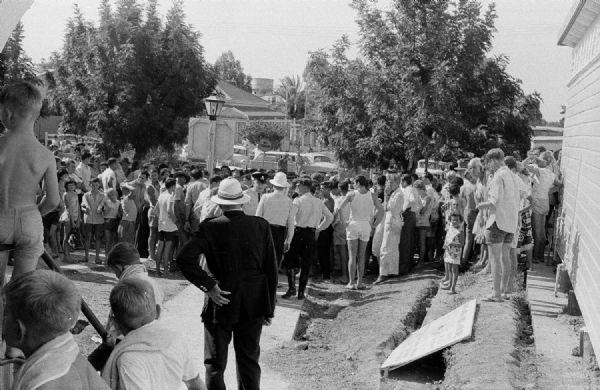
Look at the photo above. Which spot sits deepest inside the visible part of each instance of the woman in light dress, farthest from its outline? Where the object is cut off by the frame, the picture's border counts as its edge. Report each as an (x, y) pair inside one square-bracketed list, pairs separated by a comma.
[(389, 253)]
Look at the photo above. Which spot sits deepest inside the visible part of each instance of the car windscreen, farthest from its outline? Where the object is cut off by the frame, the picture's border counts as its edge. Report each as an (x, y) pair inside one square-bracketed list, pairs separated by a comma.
[(321, 159)]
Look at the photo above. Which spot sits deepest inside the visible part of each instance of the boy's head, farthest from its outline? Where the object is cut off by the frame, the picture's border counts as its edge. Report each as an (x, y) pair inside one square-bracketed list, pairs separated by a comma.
[(121, 256), (112, 194), (133, 304), (95, 183), (456, 219), (70, 185), (40, 305), (20, 102)]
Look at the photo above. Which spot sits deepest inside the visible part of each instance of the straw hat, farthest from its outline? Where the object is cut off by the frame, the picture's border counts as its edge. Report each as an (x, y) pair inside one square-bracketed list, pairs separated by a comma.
[(280, 180), (230, 193)]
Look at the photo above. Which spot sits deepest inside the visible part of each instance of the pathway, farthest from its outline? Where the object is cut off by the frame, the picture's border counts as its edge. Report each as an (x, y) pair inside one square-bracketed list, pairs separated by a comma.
[(183, 314), (554, 335)]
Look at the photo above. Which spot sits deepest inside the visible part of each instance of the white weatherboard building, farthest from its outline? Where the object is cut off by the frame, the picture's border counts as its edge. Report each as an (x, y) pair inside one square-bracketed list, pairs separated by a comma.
[(578, 240)]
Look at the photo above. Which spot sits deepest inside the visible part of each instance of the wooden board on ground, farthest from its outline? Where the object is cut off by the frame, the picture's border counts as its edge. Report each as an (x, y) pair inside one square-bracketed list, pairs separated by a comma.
[(448, 330)]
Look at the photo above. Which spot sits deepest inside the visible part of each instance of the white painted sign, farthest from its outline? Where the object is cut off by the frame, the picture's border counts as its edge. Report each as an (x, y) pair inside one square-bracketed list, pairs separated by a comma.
[(448, 330)]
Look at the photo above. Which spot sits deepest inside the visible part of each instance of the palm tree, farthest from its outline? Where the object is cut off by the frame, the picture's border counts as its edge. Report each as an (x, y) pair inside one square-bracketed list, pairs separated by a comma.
[(291, 88)]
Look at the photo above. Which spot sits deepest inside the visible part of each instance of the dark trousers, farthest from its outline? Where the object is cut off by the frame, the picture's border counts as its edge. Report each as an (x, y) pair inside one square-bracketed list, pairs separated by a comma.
[(143, 231), (246, 344), (278, 234), (301, 255), (407, 242), (324, 251)]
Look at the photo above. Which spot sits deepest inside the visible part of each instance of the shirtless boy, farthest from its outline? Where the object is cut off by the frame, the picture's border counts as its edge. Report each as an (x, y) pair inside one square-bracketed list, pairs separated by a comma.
[(24, 163)]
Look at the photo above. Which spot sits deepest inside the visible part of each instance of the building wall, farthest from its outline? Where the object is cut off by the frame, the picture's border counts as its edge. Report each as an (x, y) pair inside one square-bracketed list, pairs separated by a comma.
[(578, 227)]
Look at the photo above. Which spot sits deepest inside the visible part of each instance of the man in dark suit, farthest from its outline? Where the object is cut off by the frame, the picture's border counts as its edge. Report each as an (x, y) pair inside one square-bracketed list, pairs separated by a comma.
[(240, 285)]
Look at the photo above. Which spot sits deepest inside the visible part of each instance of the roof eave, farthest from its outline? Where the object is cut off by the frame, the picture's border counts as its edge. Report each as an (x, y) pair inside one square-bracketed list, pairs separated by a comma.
[(578, 21)]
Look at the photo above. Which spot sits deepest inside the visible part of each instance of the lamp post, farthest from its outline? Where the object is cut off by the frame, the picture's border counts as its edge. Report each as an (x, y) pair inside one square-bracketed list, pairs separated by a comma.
[(214, 105)]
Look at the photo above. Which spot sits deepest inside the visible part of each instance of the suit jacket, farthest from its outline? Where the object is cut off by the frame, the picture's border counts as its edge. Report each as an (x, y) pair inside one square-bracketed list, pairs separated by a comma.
[(241, 258)]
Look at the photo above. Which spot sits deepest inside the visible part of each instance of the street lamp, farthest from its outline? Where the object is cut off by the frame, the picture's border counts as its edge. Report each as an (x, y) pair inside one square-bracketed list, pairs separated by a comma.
[(214, 105)]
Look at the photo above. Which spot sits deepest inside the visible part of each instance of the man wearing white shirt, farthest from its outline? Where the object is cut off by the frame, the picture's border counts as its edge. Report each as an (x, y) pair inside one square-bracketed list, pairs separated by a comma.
[(109, 177), (84, 172), (310, 216), (412, 205), (501, 226), (277, 209)]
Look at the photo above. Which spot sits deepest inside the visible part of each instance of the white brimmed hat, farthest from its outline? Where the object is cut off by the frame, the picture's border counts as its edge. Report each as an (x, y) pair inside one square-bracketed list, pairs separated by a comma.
[(280, 180), (230, 193)]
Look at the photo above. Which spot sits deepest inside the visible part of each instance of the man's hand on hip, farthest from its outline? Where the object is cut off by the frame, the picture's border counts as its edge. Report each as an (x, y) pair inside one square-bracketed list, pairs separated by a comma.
[(218, 296)]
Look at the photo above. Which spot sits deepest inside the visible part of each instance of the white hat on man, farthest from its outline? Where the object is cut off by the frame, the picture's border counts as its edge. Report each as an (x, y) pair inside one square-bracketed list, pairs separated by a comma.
[(230, 193), (280, 180)]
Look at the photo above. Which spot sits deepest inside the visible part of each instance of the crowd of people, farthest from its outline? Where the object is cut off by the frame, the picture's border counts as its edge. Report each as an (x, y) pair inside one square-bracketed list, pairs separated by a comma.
[(322, 226)]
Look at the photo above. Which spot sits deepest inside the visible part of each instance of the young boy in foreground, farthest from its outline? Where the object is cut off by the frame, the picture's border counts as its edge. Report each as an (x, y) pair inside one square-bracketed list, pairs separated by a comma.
[(151, 356), (41, 308), (24, 163)]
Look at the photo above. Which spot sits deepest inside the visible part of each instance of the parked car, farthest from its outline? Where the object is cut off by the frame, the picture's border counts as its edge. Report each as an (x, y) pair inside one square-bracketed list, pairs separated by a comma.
[(318, 163), (436, 168), (268, 161)]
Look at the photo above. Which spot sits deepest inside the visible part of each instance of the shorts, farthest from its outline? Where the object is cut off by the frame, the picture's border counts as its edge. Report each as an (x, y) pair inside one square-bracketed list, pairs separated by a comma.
[(111, 224), (167, 236), (51, 219), (358, 230), (493, 235), (22, 228), (95, 229)]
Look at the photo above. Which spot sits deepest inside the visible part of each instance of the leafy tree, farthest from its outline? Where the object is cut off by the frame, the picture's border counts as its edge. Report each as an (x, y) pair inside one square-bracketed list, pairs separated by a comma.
[(422, 87), (14, 63), (132, 80), (229, 69), (255, 131)]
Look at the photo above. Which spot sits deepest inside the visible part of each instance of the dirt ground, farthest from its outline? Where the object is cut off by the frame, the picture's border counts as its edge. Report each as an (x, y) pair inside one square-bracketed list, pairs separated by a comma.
[(344, 336), (95, 283)]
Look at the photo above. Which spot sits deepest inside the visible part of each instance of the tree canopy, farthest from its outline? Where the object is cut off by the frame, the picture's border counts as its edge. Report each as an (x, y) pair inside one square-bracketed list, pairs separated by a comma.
[(132, 79), (424, 85), (255, 131), (14, 63), (229, 69)]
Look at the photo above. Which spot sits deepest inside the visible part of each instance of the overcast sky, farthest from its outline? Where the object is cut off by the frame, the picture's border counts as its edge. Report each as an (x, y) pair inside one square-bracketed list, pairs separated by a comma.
[(272, 38)]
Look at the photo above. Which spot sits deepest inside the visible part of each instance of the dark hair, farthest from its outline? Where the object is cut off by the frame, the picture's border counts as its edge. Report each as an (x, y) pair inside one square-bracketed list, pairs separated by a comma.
[(215, 179), (95, 180), (123, 253), (68, 182), (438, 187), (407, 179), (510, 162), (170, 182), (327, 185), (344, 185), (85, 155), (457, 180), (454, 189), (61, 172), (428, 176), (456, 214), (111, 161), (361, 180), (180, 174), (196, 174), (306, 182), (381, 180)]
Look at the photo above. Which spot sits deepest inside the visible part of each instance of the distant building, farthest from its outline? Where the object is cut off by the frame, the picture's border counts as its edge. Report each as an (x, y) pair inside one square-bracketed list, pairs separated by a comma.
[(262, 87), (549, 137), (577, 242)]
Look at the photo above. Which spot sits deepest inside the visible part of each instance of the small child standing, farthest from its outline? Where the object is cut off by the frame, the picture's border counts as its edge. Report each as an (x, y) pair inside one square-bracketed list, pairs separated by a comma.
[(127, 226), (110, 212), (70, 217), (453, 244)]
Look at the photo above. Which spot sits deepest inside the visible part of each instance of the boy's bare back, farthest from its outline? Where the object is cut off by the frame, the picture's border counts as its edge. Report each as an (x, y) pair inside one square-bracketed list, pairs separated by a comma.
[(24, 162)]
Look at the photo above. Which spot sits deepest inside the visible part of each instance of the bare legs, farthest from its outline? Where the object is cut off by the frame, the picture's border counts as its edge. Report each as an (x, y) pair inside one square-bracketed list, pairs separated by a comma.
[(356, 251)]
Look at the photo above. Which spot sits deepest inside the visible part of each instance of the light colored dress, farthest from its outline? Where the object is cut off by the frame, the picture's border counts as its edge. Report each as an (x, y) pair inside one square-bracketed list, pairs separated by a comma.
[(390, 253)]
